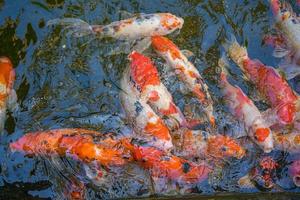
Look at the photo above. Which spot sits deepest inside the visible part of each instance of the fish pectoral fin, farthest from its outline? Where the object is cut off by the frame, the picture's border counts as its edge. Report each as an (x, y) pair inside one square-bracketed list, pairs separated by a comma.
[(290, 70), (187, 53), (12, 104), (280, 52), (141, 45), (245, 182)]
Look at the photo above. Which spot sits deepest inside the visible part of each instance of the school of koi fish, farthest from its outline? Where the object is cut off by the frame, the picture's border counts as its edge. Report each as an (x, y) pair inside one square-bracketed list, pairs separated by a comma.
[(168, 143)]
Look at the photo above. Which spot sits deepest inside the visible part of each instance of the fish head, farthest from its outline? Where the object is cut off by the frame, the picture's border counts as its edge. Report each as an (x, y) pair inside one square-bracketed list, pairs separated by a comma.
[(171, 22), (263, 136), (294, 172), (221, 146)]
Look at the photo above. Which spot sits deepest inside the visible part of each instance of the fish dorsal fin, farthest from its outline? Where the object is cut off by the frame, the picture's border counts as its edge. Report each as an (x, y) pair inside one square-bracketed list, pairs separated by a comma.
[(126, 15)]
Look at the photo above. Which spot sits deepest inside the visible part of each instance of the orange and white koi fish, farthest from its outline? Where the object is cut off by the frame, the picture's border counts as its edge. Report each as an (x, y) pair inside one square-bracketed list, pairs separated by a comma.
[(241, 106), (144, 120), (289, 142), (201, 144), (75, 143), (162, 165), (186, 71), (145, 77), (270, 84), (288, 25), (7, 93), (294, 172), (144, 25)]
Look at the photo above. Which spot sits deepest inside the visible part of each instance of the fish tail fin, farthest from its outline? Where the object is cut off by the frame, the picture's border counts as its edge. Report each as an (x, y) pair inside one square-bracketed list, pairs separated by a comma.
[(223, 64), (235, 51), (75, 27)]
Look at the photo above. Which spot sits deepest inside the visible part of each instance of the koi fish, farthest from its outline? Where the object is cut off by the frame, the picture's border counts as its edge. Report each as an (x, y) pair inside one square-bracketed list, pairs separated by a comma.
[(75, 143), (144, 120), (268, 81), (288, 25), (146, 79), (287, 142), (186, 71), (162, 165), (201, 144), (141, 26), (294, 172), (240, 106), (7, 94), (262, 176)]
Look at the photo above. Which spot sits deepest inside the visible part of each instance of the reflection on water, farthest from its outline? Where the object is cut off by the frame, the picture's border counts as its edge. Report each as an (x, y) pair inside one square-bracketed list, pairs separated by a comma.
[(68, 82)]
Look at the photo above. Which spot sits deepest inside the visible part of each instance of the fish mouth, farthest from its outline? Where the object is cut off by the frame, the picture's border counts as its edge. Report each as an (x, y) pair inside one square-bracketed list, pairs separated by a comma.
[(296, 180)]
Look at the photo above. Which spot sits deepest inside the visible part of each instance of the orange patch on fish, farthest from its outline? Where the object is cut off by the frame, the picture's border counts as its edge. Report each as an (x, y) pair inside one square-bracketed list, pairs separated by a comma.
[(193, 74), (153, 96), (158, 129), (143, 72), (199, 93), (163, 44), (297, 139), (261, 134), (171, 110), (169, 22)]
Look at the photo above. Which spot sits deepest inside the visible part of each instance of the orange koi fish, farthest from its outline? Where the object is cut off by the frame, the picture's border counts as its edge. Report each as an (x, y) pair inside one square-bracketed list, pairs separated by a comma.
[(269, 82), (76, 143), (141, 26), (289, 142), (146, 79), (144, 119), (201, 144), (288, 26), (7, 94), (186, 71), (162, 165), (240, 106)]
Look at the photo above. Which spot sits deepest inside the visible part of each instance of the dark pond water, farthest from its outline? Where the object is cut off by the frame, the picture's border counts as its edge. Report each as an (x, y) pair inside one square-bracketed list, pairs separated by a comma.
[(67, 82)]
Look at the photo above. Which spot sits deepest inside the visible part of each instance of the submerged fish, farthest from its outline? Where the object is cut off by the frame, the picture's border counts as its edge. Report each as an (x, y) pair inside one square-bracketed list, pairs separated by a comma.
[(294, 172), (75, 143), (7, 94), (269, 82), (186, 71), (145, 77), (245, 111), (289, 142), (201, 144), (162, 165), (144, 120), (288, 25), (144, 25)]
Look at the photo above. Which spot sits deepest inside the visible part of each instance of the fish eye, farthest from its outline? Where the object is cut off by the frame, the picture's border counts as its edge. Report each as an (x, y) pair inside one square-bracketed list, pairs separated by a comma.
[(224, 148)]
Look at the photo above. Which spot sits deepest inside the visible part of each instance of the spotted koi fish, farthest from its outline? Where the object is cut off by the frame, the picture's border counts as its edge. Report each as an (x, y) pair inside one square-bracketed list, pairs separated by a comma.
[(186, 71), (75, 143), (145, 77), (85, 146), (7, 93), (240, 106), (162, 165), (271, 85), (144, 25), (144, 120), (294, 172), (288, 25), (287, 142), (203, 145)]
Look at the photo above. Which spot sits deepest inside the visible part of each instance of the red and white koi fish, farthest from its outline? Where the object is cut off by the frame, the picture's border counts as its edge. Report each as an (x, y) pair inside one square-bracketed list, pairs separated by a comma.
[(144, 120), (144, 25), (146, 79), (289, 142), (201, 144), (162, 165), (240, 106), (294, 172), (288, 25), (75, 143), (7, 93), (186, 71), (269, 82)]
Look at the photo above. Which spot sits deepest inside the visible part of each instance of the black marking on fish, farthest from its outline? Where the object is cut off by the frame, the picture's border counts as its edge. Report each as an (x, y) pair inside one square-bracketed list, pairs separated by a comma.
[(116, 28), (138, 108), (186, 167)]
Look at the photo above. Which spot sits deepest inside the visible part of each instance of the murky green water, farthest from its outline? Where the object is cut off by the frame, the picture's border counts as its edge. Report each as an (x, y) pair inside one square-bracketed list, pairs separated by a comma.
[(67, 82)]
